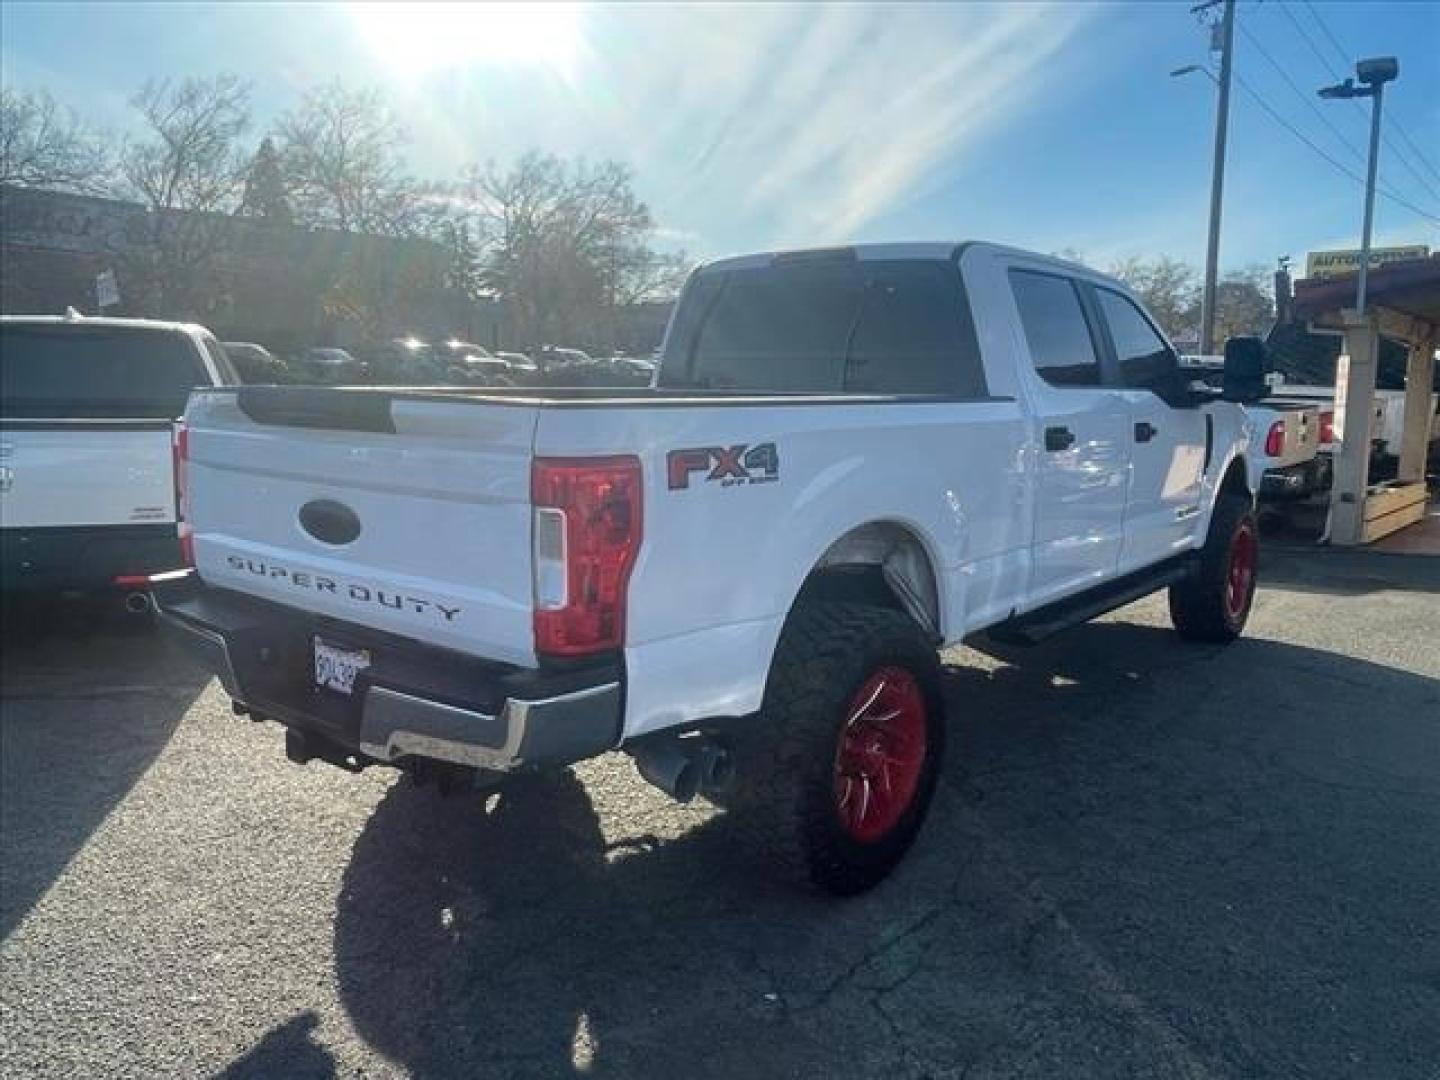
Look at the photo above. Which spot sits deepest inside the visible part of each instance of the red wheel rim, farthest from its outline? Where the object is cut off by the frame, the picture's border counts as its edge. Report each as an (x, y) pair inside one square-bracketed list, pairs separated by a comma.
[(881, 754), (1240, 577)]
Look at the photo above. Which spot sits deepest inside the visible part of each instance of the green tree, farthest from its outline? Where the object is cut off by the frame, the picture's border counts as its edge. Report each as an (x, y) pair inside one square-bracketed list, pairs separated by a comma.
[(1243, 304), (464, 273), (266, 196)]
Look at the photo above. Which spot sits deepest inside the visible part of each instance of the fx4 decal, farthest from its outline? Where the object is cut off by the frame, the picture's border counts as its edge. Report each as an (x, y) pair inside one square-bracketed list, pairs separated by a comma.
[(731, 465)]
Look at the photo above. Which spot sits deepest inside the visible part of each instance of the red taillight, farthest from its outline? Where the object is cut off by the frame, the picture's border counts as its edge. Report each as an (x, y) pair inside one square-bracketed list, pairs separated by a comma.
[(181, 447), (1275, 439), (1327, 428), (587, 528)]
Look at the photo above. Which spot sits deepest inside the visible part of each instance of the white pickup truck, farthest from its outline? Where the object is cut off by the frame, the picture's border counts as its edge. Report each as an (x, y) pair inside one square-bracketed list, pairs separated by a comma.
[(852, 458), (87, 412)]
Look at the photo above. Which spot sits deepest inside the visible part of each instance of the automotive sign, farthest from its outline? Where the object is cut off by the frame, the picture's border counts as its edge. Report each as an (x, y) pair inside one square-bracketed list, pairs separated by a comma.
[(1333, 264)]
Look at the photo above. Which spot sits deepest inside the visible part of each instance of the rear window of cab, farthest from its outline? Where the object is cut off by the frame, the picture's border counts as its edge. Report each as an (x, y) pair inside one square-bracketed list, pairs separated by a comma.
[(831, 325), (62, 372)]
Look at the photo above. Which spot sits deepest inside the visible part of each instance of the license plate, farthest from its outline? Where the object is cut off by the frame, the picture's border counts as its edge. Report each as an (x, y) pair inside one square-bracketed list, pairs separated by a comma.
[(336, 668)]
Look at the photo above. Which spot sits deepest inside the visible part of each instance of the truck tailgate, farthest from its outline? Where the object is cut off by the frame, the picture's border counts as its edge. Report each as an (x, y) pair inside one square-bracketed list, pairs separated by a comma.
[(1300, 431), (409, 515), (57, 473)]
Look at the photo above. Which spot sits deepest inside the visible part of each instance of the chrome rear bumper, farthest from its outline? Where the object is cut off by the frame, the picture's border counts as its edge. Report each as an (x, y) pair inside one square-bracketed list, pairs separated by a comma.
[(414, 702)]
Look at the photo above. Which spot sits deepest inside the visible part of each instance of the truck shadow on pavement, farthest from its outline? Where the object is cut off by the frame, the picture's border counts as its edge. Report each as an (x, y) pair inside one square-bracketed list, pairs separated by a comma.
[(90, 697), (1148, 858)]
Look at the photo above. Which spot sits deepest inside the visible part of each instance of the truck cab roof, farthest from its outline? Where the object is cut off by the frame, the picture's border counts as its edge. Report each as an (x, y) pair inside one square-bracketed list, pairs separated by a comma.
[(917, 249), (103, 322)]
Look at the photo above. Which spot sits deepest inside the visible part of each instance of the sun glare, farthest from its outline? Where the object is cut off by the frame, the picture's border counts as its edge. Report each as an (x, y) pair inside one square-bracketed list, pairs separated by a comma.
[(418, 37)]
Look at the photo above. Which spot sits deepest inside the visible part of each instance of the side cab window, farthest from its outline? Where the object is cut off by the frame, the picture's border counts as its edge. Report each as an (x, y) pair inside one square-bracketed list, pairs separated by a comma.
[(1061, 346), (1143, 358)]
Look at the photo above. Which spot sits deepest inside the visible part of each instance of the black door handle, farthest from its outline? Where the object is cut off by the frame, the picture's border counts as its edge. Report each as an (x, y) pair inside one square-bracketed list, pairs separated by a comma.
[(1058, 438), (1145, 431)]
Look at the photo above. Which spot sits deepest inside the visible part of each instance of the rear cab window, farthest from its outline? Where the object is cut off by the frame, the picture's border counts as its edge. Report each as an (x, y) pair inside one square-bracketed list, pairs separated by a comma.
[(1062, 348), (827, 325), (69, 372)]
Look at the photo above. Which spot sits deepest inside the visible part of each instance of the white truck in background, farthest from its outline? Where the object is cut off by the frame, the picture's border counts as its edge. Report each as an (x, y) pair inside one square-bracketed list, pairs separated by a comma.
[(87, 479), (1289, 439), (741, 576), (1387, 421)]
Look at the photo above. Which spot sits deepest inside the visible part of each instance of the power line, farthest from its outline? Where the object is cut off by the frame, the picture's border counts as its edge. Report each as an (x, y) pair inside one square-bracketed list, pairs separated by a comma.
[(1325, 27), (1279, 119), (1309, 101), (1344, 60), (1305, 36), (1419, 154), (1306, 98)]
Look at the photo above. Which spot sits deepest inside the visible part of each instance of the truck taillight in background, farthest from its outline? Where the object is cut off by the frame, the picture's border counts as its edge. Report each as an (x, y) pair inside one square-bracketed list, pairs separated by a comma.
[(1327, 427), (587, 528), (1275, 439), (181, 449)]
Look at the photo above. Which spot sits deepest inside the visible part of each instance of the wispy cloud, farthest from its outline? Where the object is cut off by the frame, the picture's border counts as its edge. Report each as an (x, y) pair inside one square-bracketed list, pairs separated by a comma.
[(806, 123), (768, 124)]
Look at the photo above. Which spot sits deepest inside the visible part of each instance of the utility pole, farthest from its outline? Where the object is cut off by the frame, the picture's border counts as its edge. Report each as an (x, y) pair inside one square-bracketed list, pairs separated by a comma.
[(1217, 174)]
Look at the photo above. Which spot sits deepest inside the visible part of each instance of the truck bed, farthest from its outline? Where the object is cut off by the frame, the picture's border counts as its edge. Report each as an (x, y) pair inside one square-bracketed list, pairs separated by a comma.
[(364, 407)]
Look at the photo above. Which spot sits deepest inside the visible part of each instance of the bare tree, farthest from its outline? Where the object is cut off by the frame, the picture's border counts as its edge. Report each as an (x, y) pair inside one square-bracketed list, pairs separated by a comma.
[(189, 169), (43, 144), (570, 243), (1170, 289), (191, 158), (341, 151)]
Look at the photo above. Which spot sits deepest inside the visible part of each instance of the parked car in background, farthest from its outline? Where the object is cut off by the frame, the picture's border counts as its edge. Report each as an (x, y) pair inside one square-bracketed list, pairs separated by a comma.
[(255, 363), (639, 367), (554, 359), (327, 364), (741, 578), (483, 371), (522, 369), (455, 348), (87, 465)]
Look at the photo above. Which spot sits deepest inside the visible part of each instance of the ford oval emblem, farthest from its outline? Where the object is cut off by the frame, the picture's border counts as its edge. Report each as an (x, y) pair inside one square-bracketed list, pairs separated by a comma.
[(329, 522)]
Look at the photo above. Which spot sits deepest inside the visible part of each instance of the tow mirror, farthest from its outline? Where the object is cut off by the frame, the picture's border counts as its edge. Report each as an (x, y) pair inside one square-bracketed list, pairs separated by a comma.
[(1246, 363)]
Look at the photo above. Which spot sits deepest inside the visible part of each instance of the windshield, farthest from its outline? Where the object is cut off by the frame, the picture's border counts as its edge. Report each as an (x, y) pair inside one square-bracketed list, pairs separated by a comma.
[(78, 372)]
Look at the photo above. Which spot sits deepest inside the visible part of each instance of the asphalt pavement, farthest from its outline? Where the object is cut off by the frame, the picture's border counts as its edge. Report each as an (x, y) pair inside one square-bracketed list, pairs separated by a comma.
[(1146, 859)]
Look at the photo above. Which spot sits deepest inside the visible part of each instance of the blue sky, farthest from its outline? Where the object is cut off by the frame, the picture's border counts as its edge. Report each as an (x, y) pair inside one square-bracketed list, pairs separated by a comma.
[(1046, 126)]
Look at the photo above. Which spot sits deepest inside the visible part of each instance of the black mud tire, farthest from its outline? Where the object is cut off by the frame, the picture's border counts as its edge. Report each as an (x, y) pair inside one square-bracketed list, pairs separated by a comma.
[(783, 804), (1204, 607)]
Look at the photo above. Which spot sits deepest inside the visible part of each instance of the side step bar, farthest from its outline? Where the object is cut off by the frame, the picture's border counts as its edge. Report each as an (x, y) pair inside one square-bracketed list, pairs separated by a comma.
[(1035, 626)]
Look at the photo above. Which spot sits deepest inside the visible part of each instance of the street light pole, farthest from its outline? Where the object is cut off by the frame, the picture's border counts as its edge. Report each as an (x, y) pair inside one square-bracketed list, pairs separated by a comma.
[(1217, 183), (1374, 73), (1349, 490), (1364, 275)]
